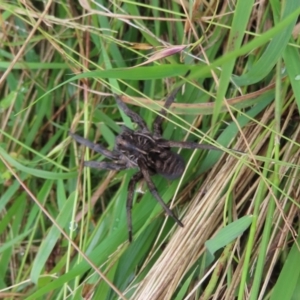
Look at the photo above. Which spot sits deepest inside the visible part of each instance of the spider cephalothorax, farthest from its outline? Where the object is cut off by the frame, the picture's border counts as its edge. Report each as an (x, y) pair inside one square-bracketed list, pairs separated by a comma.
[(146, 151), (143, 147)]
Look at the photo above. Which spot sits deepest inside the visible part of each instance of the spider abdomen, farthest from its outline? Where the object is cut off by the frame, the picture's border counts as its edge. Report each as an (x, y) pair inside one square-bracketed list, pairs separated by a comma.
[(169, 164)]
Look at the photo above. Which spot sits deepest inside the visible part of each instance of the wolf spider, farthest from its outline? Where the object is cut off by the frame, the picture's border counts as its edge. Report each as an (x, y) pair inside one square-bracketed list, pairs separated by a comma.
[(149, 152)]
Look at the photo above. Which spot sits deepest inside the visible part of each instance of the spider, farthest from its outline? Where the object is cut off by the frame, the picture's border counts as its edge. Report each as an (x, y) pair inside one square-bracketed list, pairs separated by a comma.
[(148, 152)]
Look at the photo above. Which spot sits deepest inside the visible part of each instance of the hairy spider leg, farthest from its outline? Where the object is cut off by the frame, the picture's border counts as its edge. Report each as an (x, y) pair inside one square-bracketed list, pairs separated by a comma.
[(133, 181), (157, 124), (192, 145), (105, 165), (154, 192), (131, 114), (189, 145), (96, 147)]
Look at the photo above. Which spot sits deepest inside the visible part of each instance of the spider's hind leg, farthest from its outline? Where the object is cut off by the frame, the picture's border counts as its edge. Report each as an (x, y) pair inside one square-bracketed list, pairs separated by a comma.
[(154, 192), (103, 165), (133, 181), (189, 145)]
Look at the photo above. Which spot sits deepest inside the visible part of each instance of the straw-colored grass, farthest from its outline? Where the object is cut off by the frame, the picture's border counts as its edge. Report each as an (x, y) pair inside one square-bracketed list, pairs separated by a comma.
[(63, 227)]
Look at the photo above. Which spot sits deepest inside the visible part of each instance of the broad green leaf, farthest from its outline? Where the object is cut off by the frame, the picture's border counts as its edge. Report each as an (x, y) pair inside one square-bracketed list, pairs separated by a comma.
[(227, 234)]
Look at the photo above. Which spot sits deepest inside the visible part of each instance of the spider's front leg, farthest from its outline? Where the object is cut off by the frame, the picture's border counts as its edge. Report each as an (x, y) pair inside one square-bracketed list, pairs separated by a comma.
[(96, 147), (154, 192), (157, 124), (131, 114), (119, 164)]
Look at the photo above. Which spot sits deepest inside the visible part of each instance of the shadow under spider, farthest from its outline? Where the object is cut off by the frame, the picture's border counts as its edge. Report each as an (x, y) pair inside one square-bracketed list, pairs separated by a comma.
[(146, 151)]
